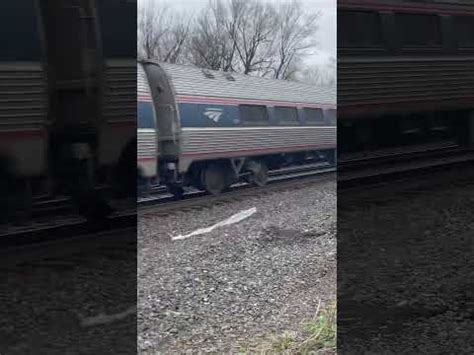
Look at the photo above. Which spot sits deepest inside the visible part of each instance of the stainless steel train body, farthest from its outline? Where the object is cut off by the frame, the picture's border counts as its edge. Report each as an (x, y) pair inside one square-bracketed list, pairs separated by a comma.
[(225, 125), (147, 133), (405, 73), (67, 91)]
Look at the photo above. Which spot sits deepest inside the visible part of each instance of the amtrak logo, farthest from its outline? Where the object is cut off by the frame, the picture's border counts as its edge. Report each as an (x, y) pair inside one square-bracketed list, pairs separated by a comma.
[(213, 114)]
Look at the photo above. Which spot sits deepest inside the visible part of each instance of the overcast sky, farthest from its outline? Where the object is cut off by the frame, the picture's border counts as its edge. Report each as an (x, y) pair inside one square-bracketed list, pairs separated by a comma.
[(326, 35)]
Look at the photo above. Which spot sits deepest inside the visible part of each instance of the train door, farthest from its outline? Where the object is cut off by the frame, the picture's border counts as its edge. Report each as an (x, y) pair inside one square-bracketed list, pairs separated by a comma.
[(167, 117), (167, 124), (74, 75), (117, 148), (73, 55)]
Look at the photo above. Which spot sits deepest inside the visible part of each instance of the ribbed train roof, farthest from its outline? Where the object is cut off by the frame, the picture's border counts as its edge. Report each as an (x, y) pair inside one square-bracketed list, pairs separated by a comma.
[(142, 86), (190, 80), (434, 2)]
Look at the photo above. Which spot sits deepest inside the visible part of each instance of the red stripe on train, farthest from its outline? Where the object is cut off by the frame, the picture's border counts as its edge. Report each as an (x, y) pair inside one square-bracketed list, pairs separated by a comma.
[(262, 151), (126, 124), (430, 8), (367, 108), (42, 134), (22, 134), (141, 98), (229, 101), (254, 151)]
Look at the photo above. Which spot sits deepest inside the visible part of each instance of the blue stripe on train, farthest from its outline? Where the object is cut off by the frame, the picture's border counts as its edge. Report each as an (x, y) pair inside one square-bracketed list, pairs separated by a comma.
[(193, 115), (145, 115), (208, 115), (204, 115)]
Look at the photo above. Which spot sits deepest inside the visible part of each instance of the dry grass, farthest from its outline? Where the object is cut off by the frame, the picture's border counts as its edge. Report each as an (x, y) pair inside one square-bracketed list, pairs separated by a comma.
[(317, 337)]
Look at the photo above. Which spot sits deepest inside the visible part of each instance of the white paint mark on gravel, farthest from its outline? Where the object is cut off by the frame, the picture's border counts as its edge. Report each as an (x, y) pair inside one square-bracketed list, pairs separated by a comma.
[(104, 318), (236, 218)]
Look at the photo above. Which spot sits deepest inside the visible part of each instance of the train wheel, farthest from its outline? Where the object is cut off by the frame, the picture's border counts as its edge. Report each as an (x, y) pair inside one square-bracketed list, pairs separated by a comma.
[(7, 195), (214, 178), (332, 158), (176, 191), (260, 174), (92, 205), (142, 185), (127, 171), (16, 198), (25, 203)]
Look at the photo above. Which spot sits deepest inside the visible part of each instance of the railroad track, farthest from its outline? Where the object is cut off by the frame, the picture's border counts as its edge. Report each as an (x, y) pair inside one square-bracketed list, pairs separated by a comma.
[(375, 171), (73, 229), (199, 199), (53, 227), (397, 153), (159, 194)]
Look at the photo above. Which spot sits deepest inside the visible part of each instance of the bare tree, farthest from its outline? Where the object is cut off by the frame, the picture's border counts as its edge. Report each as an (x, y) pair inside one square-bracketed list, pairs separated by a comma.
[(210, 45), (321, 75), (251, 36), (247, 36), (294, 36), (174, 40), (161, 34), (233, 35), (251, 29), (149, 31)]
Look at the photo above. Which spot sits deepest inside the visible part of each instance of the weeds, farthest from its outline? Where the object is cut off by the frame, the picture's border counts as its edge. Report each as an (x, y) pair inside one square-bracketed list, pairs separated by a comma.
[(317, 337), (322, 331)]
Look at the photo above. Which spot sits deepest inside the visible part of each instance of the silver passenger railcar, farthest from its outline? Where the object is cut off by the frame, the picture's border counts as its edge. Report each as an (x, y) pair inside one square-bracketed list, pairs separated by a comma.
[(67, 99), (213, 128)]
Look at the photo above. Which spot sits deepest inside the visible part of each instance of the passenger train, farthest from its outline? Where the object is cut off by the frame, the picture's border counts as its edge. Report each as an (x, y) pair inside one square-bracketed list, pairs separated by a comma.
[(67, 99), (405, 77), (208, 129)]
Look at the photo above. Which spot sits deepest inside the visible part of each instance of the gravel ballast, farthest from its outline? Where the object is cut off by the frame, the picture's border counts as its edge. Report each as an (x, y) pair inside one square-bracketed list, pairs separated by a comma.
[(405, 269), (75, 301), (219, 291)]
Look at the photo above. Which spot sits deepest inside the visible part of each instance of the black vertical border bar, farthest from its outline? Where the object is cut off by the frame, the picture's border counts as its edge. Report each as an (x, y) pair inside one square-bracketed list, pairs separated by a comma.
[(405, 266), (79, 296)]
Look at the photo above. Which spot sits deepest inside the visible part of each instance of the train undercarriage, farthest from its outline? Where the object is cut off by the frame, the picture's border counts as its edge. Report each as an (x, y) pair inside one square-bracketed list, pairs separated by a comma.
[(390, 135), (215, 176)]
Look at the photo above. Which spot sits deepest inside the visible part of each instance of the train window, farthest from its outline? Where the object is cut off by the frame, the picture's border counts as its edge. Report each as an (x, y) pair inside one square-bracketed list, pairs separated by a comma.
[(145, 116), (313, 115), (464, 31), (118, 27), (19, 31), (286, 114), (359, 29), (254, 114), (331, 117), (419, 30)]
